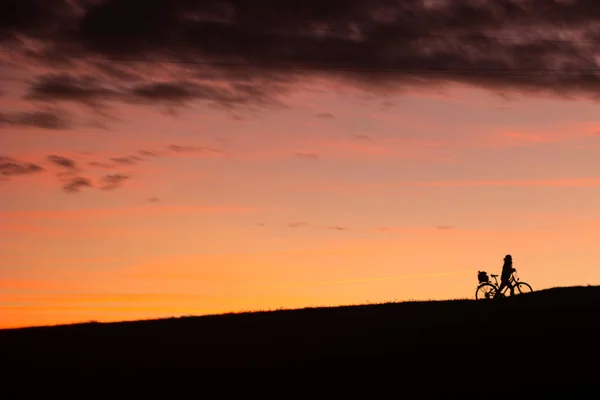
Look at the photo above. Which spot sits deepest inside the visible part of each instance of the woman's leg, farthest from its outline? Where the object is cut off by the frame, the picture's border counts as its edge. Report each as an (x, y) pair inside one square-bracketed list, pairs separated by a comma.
[(502, 286)]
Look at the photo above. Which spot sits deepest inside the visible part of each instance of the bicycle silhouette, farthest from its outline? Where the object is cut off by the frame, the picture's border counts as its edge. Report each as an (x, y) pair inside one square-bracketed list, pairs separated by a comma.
[(488, 290)]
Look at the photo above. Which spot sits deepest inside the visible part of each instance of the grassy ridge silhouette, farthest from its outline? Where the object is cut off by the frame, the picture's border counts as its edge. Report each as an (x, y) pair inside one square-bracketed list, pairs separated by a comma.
[(538, 340)]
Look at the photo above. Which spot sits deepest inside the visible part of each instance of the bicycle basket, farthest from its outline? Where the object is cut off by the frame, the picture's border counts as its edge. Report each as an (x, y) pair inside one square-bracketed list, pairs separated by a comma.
[(483, 277)]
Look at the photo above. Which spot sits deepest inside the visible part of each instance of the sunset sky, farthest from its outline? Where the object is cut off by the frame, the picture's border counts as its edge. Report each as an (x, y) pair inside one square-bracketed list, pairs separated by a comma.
[(169, 158)]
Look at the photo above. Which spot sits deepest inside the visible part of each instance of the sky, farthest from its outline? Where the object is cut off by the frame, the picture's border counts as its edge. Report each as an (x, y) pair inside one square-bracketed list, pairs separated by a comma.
[(172, 158)]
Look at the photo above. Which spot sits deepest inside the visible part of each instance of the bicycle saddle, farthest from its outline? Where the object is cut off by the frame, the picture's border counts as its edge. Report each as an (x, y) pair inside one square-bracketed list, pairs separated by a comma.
[(494, 276)]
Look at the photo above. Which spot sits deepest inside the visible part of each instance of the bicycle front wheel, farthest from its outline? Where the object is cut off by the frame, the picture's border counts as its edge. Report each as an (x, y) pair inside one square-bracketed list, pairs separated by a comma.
[(485, 291), (522, 288)]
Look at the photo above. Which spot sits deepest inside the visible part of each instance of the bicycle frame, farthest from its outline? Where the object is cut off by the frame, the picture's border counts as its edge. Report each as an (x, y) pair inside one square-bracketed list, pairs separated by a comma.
[(513, 280)]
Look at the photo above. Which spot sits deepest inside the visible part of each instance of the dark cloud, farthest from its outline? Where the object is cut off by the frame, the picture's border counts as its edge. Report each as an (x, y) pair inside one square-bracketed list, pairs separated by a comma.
[(125, 160), (297, 224), (253, 48), (125, 73), (444, 227), (11, 167), (153, 199), (75, 184), (33, 18), (179, 93), (37, 119), (62, 162), (148, 153), (306, 156), (95, 91), (336, 228), (109, 182), (67, 87), (99, 164), (128, 160)]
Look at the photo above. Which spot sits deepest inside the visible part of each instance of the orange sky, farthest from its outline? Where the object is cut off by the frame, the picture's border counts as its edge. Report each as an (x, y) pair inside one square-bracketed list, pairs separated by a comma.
[(401, 197)]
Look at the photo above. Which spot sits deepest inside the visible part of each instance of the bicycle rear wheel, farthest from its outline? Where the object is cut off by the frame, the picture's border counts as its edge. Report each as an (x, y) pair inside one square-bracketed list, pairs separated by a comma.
[(522, 288), (485, 291)]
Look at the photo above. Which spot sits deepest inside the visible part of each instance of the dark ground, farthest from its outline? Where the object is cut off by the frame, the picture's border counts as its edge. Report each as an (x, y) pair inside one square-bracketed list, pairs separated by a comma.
[(534, 345)]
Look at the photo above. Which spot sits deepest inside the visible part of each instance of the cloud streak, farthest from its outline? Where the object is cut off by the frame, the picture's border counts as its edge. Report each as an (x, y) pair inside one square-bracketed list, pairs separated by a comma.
[(37, 119), (128, 160), (94, 91)]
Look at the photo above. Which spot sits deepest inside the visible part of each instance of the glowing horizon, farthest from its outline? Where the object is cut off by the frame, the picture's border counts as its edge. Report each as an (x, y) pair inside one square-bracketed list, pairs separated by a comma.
[(147, 189), (257, 244)]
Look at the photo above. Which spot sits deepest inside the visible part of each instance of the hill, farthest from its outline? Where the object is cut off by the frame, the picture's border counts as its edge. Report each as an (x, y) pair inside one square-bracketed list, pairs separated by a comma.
[(542, 342)]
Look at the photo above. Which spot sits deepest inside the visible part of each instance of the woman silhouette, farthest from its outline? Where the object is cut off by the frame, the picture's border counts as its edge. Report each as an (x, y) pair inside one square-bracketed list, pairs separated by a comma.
[(507, 270)]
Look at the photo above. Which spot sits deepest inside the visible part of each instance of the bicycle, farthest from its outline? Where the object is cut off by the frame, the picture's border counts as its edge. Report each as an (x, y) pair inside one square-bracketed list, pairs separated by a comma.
[(488, 290)]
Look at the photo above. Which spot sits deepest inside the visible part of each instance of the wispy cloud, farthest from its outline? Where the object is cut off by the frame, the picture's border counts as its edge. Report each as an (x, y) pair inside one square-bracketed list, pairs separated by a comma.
[(71, 174), (75, 184), (149, 153), (128, 160), (11, 167), (100, 164), (110, 182), (45, 119), (195, 149), (62, 162)]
